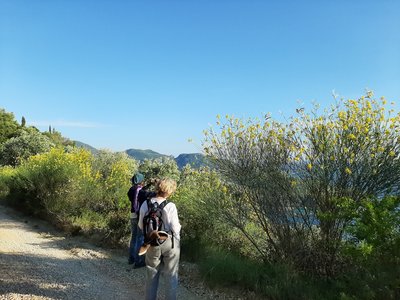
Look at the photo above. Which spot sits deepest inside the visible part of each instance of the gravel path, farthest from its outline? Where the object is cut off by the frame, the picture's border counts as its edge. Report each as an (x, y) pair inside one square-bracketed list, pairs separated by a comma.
[(36, 262)]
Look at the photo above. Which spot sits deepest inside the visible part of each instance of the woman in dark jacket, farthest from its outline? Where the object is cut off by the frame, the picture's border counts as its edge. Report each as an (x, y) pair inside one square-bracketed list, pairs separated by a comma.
[(137, 194)]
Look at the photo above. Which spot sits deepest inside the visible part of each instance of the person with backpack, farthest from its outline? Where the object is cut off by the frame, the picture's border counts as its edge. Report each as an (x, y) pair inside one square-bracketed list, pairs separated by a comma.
[(159, 221), (137, 194)]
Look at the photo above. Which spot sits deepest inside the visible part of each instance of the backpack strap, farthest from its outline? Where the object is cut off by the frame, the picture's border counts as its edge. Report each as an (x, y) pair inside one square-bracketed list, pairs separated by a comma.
[(163, 204)]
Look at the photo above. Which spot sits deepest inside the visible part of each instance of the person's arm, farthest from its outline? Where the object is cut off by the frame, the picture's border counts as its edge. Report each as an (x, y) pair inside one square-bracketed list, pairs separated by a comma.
[(130, 194), (175, 225), (142, 212)]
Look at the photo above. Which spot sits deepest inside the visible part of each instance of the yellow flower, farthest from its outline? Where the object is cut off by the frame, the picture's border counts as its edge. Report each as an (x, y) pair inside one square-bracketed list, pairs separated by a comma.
[(392, 153), (351, 136), (309, 166), (347, 170)]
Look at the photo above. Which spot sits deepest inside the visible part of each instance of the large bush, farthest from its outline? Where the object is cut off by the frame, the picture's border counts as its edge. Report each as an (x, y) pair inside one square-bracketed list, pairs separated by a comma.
[(159, 168), (6, 174), (113, 172), (372, 246), (297, 181), (50, 181), (9, 127), (77, 190), (29, 142)]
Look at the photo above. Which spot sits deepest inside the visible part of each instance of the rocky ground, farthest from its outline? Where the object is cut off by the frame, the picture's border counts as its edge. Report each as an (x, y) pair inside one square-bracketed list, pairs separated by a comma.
[(37, 262)]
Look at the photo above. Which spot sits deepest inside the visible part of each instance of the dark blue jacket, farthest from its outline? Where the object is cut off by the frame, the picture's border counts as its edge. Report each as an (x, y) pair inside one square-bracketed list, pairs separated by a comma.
[(142, 196)]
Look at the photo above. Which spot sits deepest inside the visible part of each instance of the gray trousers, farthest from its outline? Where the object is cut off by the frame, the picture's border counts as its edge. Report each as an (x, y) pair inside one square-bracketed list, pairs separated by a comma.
[(163, 260)]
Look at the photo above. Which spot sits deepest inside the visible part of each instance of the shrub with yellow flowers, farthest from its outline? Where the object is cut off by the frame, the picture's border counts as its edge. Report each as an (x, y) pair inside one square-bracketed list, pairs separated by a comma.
[(77, 189), (300, 182)]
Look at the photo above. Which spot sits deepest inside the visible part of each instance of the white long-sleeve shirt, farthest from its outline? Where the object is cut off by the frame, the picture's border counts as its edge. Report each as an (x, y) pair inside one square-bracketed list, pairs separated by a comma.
[(169, 217)]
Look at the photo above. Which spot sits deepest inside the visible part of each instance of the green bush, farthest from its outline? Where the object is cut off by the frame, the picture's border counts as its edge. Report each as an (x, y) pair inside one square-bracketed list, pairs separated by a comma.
[(159, 168), (6, 174), (48, 183), (199, 215), (221, 268), (297, 181), (373, 247), (29, 142)]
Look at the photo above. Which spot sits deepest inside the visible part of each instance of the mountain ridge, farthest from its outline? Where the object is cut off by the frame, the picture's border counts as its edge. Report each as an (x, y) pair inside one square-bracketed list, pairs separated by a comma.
[(195, 160)]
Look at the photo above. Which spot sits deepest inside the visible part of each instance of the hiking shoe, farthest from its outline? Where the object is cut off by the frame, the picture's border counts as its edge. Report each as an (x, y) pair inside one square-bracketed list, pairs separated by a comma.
[(143, 249)]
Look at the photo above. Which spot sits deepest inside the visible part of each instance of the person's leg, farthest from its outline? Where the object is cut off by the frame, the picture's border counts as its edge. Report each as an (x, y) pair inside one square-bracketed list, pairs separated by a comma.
[(132, 244), (139, 259), (170, 267), (153, 261)]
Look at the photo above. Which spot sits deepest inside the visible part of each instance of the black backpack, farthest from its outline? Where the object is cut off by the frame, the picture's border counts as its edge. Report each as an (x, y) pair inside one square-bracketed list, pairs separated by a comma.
[(152, 220)]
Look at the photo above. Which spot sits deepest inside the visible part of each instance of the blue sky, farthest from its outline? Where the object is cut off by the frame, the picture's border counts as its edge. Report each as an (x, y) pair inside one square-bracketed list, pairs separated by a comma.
[(152, 74)]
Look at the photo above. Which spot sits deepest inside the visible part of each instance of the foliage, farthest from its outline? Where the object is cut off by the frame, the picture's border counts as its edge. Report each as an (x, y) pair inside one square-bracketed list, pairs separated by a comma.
[(49, 181), (104, 160), (8, 126), (159, 168), (194, 196), (114, 171), (29, 142), (201, 199), (57, 139), (373, 246), (298, 179), (6, 174), (66, 187), (264, 281)]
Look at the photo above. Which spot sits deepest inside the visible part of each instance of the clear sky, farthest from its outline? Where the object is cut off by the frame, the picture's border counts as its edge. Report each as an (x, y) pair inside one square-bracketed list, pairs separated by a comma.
[(152, 74)]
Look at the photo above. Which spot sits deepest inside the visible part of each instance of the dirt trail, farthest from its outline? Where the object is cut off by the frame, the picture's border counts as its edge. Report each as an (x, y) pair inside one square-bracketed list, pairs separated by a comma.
[(37, 263)]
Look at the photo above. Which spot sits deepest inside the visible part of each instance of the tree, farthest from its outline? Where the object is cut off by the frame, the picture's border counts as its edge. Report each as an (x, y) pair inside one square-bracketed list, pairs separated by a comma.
[(28, 143), (8, 126), (104, 160), (302, 181), (56, 137), (159, 168)]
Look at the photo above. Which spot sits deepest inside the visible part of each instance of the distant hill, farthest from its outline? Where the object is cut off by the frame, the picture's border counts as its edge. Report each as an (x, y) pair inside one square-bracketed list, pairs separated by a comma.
[(141, 155), (195, 160), (86, 146)]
